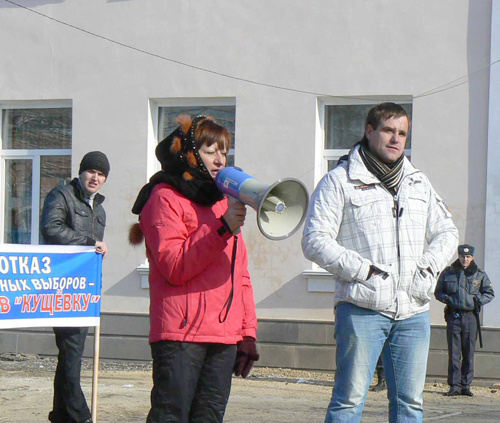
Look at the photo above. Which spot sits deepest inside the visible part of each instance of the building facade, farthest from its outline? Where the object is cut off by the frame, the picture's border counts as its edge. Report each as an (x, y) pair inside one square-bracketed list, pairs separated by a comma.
[(293, 81)]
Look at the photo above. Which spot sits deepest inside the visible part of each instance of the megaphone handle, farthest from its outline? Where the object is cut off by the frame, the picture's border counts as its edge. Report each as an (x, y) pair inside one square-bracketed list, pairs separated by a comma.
[(232, 200), (228, 228), (238, 229)]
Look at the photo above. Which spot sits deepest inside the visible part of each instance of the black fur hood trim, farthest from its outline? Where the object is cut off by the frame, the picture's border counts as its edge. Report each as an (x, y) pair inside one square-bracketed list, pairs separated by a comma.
[(456, 267)]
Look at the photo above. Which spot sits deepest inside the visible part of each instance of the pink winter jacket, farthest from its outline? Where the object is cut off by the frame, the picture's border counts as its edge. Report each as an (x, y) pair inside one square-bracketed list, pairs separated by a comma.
[(190, 272)]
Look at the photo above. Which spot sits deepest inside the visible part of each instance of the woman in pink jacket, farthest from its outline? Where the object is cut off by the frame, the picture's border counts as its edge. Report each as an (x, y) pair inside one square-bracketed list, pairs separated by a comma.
[(202, 312)]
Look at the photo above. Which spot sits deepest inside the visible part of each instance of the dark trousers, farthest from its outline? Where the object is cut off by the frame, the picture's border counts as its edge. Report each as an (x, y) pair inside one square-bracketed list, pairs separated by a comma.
[(191, 381), (461, 333), (69, 402)]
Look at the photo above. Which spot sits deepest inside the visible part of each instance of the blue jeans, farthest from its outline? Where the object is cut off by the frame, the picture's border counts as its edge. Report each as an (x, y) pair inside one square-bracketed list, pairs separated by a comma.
[(361, 336)]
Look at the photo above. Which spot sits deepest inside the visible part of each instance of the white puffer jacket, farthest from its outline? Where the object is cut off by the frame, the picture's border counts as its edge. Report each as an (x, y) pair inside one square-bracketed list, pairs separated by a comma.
[(354, 222)]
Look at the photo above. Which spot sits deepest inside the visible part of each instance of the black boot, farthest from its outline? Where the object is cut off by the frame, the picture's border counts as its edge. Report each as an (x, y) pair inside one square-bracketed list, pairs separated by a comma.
[(381, 384)]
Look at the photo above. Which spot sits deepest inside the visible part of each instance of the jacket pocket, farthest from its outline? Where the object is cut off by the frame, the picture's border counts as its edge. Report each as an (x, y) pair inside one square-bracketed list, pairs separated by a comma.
[(81, 220), (422, 287), (365, 212), (376, 293), (418, 205), (100, 227), (451, 285)]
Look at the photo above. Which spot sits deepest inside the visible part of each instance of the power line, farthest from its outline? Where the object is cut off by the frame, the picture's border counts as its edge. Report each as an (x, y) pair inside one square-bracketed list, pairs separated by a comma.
[(163, 57), (450, 85), (455, 82)]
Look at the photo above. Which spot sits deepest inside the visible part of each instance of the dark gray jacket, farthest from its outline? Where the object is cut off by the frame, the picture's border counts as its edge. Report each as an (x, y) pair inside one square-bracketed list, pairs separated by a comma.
[(457, 287), (67, 219)]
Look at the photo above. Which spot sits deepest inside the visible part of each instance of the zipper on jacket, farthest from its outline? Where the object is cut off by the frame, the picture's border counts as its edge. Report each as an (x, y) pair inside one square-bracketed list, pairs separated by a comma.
[(397, 212), (93, 221), (462, 282)]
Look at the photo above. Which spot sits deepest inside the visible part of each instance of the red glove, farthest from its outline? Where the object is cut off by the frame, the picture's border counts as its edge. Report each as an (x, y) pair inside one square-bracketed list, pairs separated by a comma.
[(246, 355)]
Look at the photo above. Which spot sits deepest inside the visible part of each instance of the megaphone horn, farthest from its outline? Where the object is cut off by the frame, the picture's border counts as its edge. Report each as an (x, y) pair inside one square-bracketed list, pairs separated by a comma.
[(281, 207)]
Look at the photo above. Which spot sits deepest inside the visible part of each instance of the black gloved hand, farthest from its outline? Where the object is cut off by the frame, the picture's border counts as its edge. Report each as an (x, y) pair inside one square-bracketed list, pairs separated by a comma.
[(246, 355)]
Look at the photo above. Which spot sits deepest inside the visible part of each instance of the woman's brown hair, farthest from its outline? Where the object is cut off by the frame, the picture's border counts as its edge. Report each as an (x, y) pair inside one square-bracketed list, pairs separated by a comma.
[(208, 132)]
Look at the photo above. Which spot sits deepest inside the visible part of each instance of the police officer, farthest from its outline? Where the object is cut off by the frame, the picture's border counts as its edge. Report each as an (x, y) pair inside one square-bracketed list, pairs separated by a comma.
[(464, 288)]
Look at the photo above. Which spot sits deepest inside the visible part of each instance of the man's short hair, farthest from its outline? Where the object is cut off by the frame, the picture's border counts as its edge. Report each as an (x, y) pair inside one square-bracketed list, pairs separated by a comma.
[(385, 111)]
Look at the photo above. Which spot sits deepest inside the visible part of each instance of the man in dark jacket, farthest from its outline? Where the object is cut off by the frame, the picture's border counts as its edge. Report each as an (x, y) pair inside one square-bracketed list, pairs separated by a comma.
[(464, 288), (73, 215)]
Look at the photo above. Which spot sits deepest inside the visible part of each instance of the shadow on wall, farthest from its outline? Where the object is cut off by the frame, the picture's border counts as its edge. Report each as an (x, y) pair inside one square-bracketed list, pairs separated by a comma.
[(294, 295), (31, 4), (129, 286)]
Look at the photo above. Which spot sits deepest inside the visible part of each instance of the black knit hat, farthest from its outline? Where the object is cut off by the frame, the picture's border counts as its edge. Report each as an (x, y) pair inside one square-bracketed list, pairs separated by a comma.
[(95, 160)]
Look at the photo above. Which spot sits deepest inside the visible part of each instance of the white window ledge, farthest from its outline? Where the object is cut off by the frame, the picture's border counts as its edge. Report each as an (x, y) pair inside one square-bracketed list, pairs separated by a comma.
[(319, 281), (143, 270)]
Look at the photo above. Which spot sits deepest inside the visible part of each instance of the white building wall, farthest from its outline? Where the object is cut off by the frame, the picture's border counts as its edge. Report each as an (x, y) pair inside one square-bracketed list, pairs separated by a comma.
[(325, 48)]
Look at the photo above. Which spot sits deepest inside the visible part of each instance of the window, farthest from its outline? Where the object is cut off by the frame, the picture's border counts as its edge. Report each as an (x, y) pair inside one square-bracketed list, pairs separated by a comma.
[(343, 126), (35, 157), (224, 115)]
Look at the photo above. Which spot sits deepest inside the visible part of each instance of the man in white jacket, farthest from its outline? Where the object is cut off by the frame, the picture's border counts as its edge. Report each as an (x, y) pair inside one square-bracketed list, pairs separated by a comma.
[(378, 226)]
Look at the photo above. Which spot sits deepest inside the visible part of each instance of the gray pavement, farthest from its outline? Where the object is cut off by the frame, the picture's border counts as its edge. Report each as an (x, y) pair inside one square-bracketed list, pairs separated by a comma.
[(303, 402), (268, 396)]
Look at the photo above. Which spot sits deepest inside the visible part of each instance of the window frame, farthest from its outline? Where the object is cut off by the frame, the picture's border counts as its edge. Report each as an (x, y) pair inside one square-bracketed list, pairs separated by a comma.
[(153, 165), (323, 155), (28, 154)]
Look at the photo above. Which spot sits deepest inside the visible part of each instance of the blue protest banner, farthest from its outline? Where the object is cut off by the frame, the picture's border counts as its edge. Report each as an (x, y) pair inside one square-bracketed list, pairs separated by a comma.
[(49, 285)]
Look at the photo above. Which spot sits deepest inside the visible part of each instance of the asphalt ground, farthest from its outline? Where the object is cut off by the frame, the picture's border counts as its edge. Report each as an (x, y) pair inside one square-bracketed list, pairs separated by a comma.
[(267, 395)]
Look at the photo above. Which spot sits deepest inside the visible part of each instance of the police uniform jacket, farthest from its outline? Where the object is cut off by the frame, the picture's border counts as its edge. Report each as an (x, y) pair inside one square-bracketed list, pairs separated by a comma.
[(457, 287)]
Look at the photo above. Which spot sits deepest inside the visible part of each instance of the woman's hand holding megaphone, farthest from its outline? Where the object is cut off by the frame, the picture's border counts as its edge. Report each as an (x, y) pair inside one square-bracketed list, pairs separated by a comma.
[(235, 214)]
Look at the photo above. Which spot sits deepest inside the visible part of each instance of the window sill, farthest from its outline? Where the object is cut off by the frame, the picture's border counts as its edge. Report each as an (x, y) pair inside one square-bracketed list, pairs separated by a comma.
[(319, 281)]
